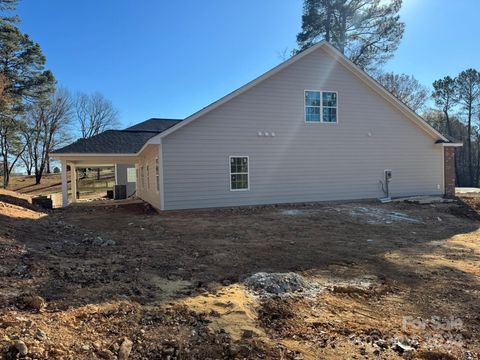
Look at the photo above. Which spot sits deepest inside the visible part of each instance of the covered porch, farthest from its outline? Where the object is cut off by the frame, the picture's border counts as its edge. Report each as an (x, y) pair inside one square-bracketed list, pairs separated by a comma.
[(124, 165)]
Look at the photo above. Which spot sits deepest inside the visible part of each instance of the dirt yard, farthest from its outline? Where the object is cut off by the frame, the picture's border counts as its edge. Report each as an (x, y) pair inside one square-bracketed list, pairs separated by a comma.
[(330, 281)]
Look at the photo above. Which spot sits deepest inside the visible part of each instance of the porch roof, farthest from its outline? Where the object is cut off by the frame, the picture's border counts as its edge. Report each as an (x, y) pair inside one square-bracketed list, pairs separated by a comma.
[(127, 141)]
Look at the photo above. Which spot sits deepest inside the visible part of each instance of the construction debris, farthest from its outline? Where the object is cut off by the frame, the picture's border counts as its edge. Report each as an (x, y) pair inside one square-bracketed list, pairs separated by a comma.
[(375, 215), (422, 200), (268, 284)]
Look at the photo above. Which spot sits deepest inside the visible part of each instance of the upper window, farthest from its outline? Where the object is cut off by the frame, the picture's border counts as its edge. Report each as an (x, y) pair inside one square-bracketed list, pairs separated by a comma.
[(320, 106), (239, 179)]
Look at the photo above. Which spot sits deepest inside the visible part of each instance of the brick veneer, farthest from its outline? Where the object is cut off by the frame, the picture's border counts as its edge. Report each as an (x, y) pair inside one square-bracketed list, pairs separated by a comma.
[(449, 171)]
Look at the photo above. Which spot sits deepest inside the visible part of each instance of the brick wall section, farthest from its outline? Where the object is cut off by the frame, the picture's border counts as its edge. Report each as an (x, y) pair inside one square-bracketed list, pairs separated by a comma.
[(449, 171)]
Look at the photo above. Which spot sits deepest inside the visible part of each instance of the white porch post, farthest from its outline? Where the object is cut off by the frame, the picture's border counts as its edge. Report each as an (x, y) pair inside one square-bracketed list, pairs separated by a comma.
[(160, 177), (73, 181), (64, 184)]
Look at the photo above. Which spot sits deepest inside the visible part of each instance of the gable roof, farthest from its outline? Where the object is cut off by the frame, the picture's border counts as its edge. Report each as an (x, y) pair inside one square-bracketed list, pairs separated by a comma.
[(153, 124), (127, 141), (342, 59)]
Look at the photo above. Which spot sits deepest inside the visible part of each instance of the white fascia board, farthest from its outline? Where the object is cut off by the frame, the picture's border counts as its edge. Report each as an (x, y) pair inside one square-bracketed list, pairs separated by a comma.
[(67, 155), (451, 144), (239, 91), (364, 77), (374, 85)]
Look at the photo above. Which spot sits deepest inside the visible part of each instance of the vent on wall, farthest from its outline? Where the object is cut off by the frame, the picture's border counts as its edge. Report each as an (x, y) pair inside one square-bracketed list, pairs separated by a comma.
[(266, 133)]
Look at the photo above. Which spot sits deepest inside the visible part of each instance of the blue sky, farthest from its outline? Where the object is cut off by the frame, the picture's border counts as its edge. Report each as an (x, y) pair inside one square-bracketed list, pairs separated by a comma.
[(159, 58)]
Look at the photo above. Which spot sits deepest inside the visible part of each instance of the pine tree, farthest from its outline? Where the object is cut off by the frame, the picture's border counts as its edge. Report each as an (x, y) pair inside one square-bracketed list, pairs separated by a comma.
[(445, 96), (366, 31), (23, 79), (468, 88)]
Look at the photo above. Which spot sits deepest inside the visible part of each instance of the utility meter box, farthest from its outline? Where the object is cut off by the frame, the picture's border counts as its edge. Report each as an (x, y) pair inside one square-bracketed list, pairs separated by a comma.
[(388, 174)]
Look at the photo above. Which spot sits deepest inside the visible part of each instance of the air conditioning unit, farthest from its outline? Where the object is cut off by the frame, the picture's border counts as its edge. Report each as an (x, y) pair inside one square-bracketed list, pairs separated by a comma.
[(120, 192)]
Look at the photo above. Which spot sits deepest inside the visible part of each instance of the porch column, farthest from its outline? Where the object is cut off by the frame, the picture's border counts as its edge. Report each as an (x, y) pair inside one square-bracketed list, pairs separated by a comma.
[(73, 181), (64, 184)]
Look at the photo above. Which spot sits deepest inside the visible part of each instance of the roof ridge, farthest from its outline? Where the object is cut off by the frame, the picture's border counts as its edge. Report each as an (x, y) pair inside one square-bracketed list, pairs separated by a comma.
[(139, 130)]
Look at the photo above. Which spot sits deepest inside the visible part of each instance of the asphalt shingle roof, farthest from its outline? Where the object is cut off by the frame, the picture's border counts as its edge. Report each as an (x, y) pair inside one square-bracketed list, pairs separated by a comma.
[(127, 141)]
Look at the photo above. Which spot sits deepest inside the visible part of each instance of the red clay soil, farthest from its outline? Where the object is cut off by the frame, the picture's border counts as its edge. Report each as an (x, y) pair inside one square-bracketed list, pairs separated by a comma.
[(394, 281)]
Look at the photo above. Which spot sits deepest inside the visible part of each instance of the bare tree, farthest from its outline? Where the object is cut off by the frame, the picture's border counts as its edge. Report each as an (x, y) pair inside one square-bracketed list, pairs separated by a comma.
[(94, 114), (47, 122), (27, 155), (406, 88), (11, 146)]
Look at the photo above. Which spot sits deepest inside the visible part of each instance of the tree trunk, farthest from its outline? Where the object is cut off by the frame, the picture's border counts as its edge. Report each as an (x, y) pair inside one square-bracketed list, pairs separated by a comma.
[(6, 175), (48, 165), (343, 31), (447, 121), (469, 146), (329, 20)]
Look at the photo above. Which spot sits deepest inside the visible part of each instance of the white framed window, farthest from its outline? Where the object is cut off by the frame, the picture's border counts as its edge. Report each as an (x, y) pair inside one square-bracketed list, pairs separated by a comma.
[(142, 177), (132, 175), (157, 174), (239, 173), (148, 177), (321, 106)]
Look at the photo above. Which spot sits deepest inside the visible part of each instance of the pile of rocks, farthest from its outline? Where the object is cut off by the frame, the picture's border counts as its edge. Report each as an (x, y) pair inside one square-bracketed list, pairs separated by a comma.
[(281, 284)]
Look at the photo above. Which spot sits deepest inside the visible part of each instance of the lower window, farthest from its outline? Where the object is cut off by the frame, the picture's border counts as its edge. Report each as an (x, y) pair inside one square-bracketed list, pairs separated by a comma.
[(239, 179)]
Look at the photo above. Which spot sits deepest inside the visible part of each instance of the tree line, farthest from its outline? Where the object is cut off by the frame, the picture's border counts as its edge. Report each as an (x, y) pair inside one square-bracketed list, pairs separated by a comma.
[(36, 114), (457, 115)]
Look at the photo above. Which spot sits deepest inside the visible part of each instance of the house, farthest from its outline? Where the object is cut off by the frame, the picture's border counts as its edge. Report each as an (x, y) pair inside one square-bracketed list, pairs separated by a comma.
[(314, 128)]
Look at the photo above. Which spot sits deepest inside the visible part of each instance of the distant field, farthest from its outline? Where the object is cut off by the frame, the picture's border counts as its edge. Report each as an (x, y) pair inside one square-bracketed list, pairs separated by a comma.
[(52, 184)]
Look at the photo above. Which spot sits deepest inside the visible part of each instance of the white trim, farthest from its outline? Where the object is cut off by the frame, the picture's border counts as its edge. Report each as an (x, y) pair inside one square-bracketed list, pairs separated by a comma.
[(148, 175), (451, 144), (336, 55), (379, 89), (157, 175), (64, 183), (73, 182), (443, 171), (230, 172), (66, 155), (321, 107), (137, 174), (162, 188)]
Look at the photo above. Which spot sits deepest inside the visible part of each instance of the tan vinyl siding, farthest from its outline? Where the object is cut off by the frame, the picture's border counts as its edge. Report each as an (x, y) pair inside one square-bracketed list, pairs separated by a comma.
[(150, 193), (304, 161)]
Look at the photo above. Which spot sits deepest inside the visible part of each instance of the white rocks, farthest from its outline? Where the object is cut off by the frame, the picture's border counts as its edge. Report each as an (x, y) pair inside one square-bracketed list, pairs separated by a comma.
[(21, 347), (125, 349), (280, 284), (99, 241)]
